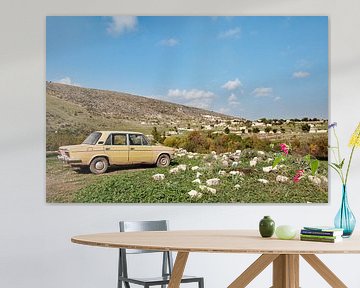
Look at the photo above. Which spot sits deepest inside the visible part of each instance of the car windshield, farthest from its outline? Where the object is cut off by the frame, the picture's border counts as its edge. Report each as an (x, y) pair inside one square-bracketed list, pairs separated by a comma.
[(92, 138)]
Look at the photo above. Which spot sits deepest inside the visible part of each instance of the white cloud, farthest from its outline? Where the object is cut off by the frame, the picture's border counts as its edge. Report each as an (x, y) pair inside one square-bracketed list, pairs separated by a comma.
[(233, 100), (232, 84), (262, 91), (301, 74), (277, 98), (169, 42), (121, 24), (194, 97), (231, 33), (191, 94), (67, 80)]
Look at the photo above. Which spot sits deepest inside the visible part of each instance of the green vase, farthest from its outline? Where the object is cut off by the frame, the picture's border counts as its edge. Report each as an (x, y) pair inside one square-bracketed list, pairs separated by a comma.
[(266, 227)]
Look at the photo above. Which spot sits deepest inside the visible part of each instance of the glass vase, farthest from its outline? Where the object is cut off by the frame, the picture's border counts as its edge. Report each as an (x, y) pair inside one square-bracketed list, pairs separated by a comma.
[(345, 219)]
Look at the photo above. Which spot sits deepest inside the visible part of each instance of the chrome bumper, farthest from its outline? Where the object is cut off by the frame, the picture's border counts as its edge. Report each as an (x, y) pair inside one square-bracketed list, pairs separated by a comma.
[(68, 160)]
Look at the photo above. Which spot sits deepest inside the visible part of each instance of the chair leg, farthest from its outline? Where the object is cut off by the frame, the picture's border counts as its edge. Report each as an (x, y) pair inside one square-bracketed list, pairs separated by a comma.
[(201, 283)]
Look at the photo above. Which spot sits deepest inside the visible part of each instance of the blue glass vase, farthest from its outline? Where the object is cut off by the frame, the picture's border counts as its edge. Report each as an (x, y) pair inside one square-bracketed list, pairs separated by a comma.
[(345, 219)]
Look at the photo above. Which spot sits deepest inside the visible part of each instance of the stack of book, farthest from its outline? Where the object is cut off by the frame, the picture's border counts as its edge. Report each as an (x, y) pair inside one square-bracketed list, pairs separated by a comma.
[(321, 234)]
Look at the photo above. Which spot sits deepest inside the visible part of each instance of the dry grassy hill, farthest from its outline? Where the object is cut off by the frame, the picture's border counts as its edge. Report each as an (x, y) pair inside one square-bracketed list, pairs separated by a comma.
[(75, 111)]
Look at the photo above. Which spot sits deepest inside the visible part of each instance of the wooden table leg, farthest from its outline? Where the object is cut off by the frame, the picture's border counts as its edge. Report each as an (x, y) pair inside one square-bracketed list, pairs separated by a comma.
[(253, 270), (286, 271), (324, 271), (178, 270)]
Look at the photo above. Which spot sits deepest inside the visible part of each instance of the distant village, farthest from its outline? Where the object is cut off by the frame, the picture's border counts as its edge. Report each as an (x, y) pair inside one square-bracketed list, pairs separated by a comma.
[(241, 126)]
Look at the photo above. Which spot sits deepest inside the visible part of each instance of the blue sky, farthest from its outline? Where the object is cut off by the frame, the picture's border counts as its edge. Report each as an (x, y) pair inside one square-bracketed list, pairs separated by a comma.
[(252, 67)]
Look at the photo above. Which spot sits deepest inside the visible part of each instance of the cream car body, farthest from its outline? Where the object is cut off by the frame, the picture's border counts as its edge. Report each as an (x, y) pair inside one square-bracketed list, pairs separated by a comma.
[(102, 149)]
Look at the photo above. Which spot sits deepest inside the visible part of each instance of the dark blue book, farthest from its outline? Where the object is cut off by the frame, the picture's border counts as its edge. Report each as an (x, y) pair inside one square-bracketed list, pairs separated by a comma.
[(322, 231)]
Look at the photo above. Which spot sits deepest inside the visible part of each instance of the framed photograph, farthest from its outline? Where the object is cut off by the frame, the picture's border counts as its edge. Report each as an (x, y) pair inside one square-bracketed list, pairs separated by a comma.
[(185, 109)]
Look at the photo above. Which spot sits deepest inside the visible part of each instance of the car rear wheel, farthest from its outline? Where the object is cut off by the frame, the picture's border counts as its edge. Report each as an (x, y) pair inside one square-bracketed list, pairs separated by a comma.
[(163, 160), (99, 165)]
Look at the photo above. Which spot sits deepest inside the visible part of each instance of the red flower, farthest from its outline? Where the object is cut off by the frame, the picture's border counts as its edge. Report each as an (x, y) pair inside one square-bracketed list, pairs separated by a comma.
[(298, 176), (284, 148)]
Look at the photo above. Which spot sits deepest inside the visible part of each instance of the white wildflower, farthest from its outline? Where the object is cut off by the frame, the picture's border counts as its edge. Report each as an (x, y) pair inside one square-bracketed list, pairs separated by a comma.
[(253, 163), (213, 182), (194, 193), (261, 153), (195, 168), (202, 187), (324, 179), (268, 169), (264, 181), (234, 173), (282, 179), (234, 164), (174, 170), (211, 190), (182, 167), (158, 177), (225, 163), (198, 174), (237, 186), (314, 179), (222, 173), (198, 181)]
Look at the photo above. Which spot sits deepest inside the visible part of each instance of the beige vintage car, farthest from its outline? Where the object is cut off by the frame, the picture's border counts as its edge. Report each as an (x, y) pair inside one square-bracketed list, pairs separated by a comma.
[(104, 148)]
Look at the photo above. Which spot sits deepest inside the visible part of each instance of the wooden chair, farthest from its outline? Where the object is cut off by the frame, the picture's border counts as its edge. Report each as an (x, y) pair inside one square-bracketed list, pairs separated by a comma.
[(167, 262)]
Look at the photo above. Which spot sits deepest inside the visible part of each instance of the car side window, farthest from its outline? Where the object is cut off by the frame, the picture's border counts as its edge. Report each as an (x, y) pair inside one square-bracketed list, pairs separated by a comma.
[(144, 140), (119, 139), (135, 139)]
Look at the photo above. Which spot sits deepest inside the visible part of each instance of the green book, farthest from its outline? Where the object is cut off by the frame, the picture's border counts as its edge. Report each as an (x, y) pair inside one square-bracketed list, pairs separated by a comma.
[(325, 240), (319, 236)]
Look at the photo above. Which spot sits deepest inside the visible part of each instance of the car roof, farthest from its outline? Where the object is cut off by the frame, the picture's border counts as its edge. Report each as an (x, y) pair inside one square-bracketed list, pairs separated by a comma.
[(124, 132)]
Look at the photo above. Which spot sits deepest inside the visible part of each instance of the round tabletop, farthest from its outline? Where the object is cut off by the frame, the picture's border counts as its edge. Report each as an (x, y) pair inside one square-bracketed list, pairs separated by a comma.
[(220, 241)]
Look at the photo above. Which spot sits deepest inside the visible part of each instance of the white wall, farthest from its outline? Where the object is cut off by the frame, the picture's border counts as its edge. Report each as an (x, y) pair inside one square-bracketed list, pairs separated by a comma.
[(35, 248)]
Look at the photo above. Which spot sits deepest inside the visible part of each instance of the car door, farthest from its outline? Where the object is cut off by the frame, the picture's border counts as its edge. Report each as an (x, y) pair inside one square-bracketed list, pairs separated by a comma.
[(117, 149), (140, 150)]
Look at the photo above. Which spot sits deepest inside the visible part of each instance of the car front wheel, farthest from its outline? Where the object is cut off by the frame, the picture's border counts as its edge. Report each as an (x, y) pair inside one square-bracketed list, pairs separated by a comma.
[(163, 160), (99, 165)]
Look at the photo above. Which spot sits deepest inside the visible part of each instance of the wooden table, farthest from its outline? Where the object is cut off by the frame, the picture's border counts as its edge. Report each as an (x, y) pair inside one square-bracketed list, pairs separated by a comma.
[(284, 254)]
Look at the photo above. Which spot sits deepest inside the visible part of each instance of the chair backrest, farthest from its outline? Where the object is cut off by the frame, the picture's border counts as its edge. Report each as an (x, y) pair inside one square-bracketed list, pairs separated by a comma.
[(135, 226)]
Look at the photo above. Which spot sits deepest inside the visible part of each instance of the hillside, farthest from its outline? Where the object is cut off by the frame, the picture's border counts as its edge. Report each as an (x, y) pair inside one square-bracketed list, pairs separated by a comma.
[(115, 105), (75, 111)]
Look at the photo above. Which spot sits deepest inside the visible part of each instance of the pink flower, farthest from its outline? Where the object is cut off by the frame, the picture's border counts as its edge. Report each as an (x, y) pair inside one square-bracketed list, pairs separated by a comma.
[(298, 176), (284, 148)]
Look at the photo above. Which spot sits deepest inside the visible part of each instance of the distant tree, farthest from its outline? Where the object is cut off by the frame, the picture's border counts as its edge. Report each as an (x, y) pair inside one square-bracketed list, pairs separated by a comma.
[(256, 130), (228, 122), (305, 119), (227, 130), (282, 130), (305, 128), (156, 134), (188, 126), (243, 131), (275, 130), (201, 127), (267, 129), (250, 130)]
